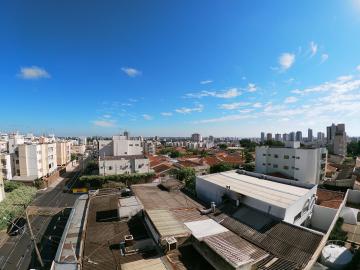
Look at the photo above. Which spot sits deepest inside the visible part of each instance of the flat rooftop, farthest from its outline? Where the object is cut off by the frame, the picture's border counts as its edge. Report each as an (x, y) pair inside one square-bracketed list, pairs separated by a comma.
[(274, 193)]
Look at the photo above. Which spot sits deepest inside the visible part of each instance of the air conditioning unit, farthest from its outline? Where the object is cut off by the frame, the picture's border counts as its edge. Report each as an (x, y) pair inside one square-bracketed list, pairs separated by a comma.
[(171, 243)]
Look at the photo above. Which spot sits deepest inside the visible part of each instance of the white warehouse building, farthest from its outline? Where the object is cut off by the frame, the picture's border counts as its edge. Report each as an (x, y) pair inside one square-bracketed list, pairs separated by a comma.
[(305, 165), (286, 200)]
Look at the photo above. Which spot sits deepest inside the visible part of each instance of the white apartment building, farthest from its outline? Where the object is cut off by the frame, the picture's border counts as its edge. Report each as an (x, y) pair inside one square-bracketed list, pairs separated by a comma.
[(305, 165), (7, 168), (37, 160), (149, 148), (2, 191), (289, 201), (113, 165), (122, 155), (63, 153), (78, 149)]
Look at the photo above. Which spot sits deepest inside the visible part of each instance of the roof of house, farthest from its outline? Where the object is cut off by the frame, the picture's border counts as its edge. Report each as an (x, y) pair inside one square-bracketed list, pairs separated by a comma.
[(329, 198), (127, 157), (274, 193), (204, 228), (166, 224), (148, 264), (294, 245)]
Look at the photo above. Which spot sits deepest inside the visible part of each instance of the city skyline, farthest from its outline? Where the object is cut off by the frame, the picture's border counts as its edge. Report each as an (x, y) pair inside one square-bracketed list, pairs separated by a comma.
[(168, 70)]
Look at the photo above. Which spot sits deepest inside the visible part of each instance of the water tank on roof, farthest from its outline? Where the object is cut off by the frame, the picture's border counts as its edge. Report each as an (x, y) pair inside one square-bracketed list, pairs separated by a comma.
[(335, 256)]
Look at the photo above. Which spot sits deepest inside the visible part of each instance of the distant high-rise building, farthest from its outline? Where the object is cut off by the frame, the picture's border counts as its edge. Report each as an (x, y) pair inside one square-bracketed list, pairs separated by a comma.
[(278, 137), (269, 136), (285, 137), (196, 137), (330, 133), (262, 137), (310, 135), (292, 136), (336, 139), (298, 136), (320, 136)]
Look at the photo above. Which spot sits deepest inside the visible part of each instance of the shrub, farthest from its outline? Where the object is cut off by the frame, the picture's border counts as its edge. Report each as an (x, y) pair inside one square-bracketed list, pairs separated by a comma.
[(221, 167), (10, 186), (12, 207)]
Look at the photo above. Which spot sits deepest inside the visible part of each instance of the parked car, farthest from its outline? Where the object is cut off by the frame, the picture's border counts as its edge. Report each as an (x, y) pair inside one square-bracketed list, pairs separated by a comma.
[(17, 226)]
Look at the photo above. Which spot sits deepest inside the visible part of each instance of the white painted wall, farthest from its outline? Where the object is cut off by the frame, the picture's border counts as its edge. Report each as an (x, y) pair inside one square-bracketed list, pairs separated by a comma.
[(305, 165), (122, 166)]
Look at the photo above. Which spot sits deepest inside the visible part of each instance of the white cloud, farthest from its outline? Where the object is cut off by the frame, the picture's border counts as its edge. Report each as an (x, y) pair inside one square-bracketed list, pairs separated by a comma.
[(147, 117), (131, 72), (243, 78), (286, 60), (232, 117), (104, 123), (290, 100), (257, 105), (206, 82), (166, 113), (107, 116), (358, 68), (233, 106), (185, 110), (251, 87), (245, 110), (230, 93), (324, 57), (345, 78), (33, 73), (313, 48)]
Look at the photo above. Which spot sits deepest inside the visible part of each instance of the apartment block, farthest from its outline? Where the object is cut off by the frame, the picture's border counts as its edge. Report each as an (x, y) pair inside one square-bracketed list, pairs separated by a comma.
[(336, 139), (63, 153), (78, 149), (7, 167), (2, 191), (37, 160), (305, 165), (113, 165)]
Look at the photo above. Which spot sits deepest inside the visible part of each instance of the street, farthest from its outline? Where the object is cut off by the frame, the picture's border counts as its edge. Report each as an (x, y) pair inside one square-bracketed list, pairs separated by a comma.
[(18, 251)]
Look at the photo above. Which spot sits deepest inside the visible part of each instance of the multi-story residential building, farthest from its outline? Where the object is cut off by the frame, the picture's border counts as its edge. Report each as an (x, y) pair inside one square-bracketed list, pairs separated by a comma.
[(285, 137), (336, 139), (310, 136), (320, 136), (78, 149), (150, 148), (292, 136), (2, 191), (262, 137), (83, 140), (112, 165), (277, 137), (3, 146), (196, 137), (7, 167), (122, 155), (301, 164), (298, 136), (63, 153), (37, 160), (269, 136)]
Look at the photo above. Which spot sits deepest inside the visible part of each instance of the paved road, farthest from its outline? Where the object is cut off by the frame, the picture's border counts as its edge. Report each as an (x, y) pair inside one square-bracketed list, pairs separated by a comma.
[(17, 252)]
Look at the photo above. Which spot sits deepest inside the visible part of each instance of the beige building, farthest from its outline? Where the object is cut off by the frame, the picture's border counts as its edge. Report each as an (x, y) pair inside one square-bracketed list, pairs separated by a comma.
[(63, 153), (78, 149), (37, 160), (2, 192)]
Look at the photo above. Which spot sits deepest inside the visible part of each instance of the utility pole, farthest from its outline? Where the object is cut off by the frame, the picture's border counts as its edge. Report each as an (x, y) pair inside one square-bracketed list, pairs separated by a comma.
[(33, 237)]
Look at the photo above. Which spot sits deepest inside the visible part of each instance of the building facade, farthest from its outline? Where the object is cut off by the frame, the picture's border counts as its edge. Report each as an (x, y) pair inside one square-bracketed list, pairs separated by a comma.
[(7, 166), (37, 160), (63, 153), (113, 165), (305, 165), (196, 137)]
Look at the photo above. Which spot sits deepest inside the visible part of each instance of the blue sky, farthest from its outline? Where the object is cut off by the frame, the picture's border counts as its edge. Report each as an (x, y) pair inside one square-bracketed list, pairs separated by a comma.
[(170, 68)]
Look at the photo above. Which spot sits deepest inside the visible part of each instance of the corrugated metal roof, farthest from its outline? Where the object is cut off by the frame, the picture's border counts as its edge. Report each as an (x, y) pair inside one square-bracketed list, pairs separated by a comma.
[(203, 228), (166, 224), (274, 193), (234, 249), (148, 264)]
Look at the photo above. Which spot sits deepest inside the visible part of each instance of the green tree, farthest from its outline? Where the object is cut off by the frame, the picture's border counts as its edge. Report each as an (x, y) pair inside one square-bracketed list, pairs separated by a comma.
[(353, 149), (221, 167), (250, 167), (223, 146), (73, 157), (248, 156), (188, 177), (11, 185), (248, 144), (174, 154)]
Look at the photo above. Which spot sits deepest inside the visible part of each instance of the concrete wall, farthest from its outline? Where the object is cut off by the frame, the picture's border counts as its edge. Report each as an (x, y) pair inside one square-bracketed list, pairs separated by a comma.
[(105, 148), (303, 165), (353, 196), (322, 217), (122, 166)]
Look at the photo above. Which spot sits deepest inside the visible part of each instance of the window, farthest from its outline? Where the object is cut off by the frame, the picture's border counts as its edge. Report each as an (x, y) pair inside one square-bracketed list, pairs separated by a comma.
[(293, 156), (17, 161), (297, 169), (323, 155), (276, 156), (264, 155), (269, 155), (269, 164), (264, 164), (293, 167), (286, 156), (275, 166), (110, 168), (286, 167), (297, 157)]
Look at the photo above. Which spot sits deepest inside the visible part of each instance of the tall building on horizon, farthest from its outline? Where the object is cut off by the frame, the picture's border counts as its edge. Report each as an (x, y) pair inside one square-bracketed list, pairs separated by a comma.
[(298, 136), (336, 139), (262, 136), (310, 137)]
